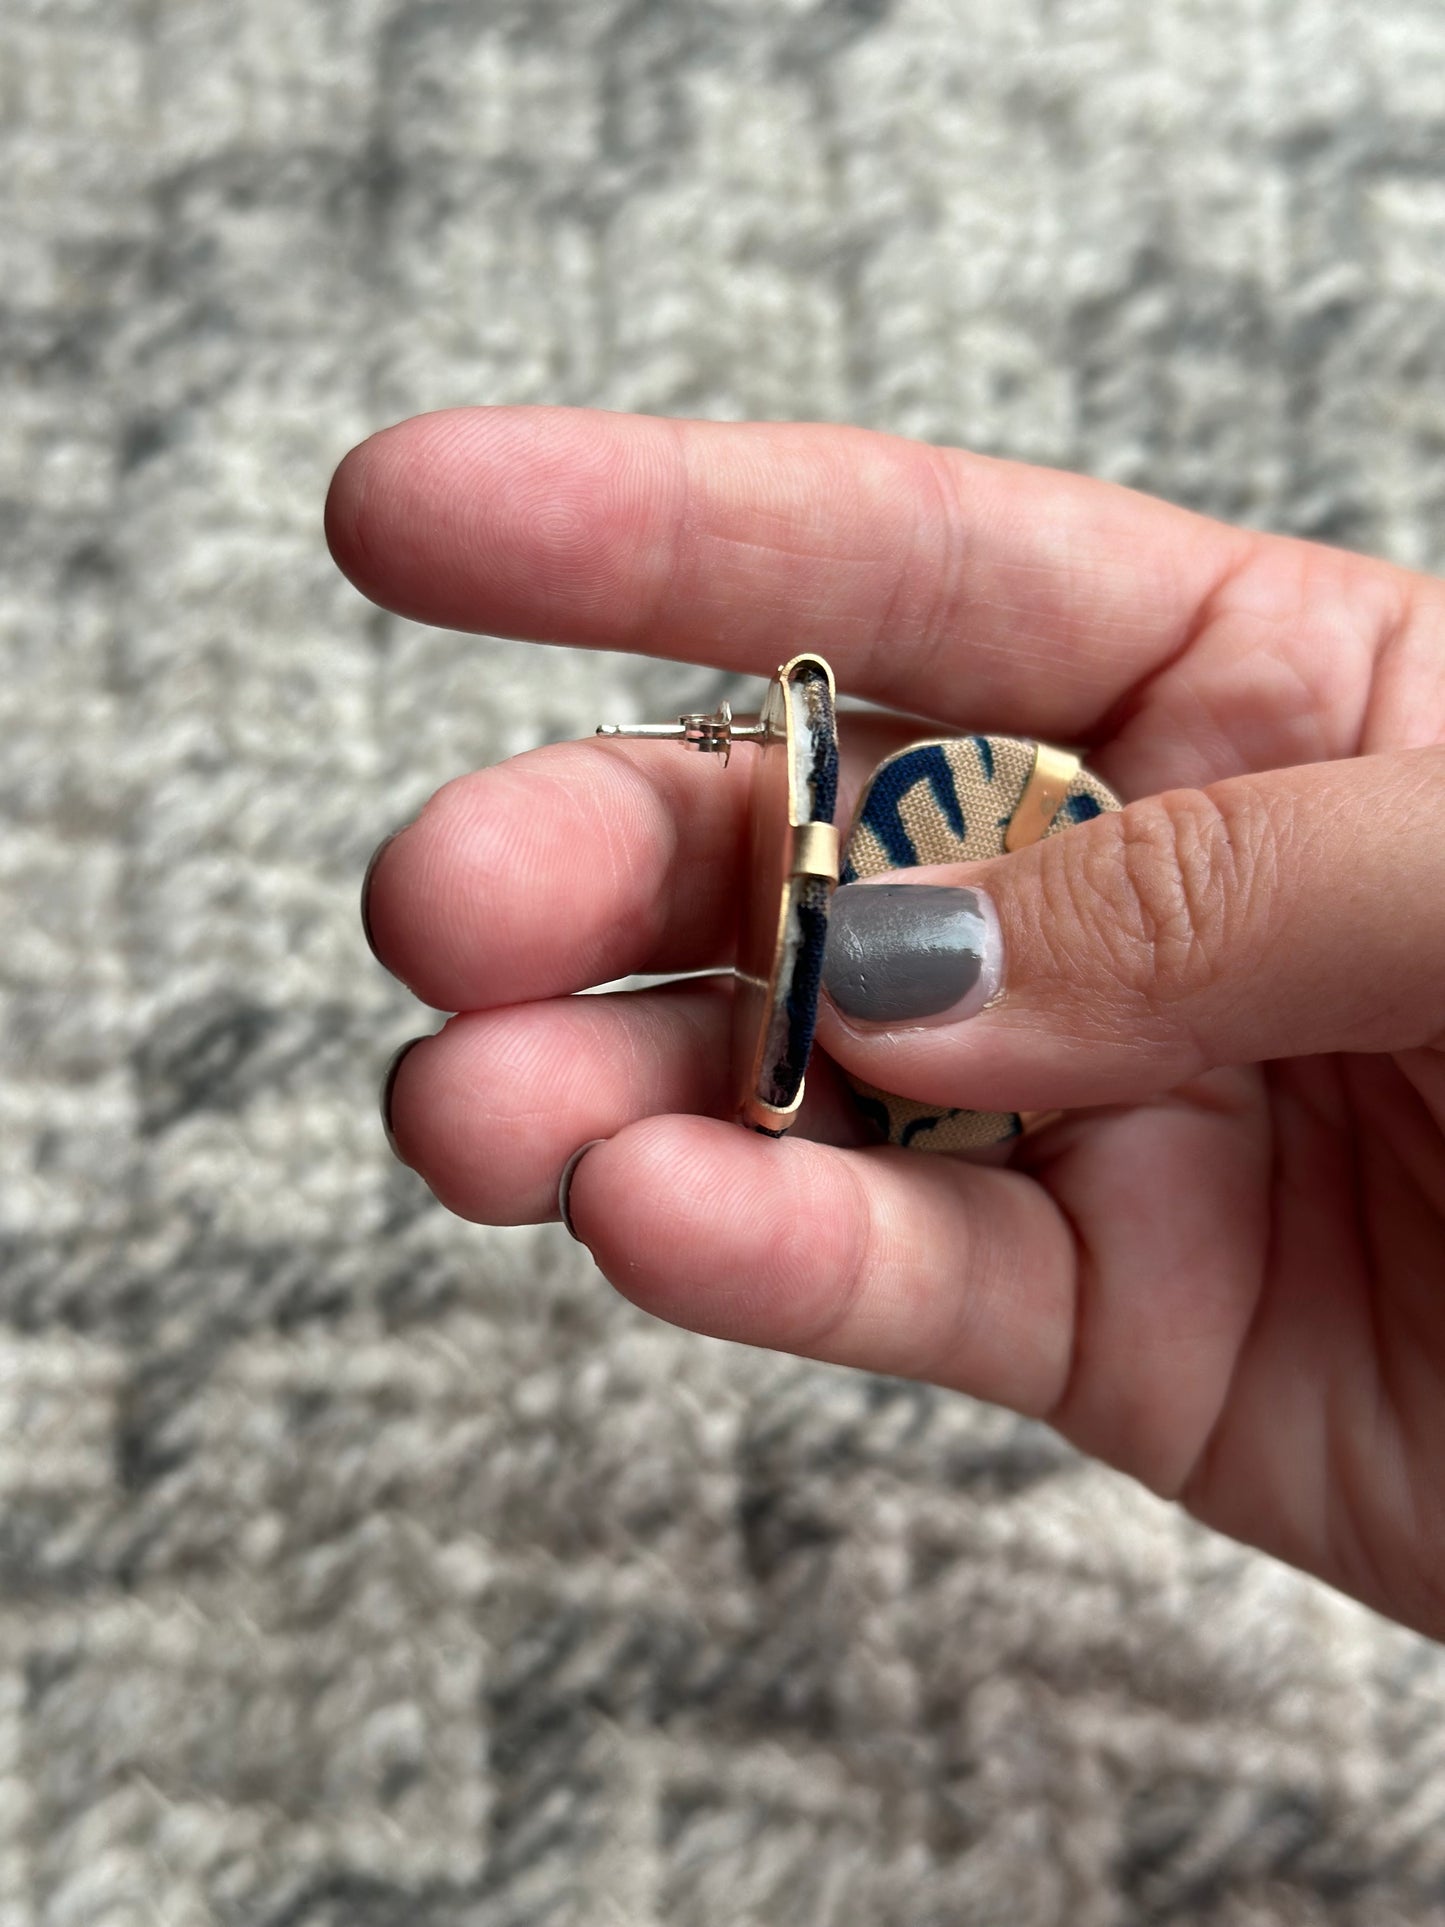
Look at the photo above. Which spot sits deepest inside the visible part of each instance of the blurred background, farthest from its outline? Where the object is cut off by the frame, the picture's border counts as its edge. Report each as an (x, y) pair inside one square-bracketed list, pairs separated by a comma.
[(359, 1568)]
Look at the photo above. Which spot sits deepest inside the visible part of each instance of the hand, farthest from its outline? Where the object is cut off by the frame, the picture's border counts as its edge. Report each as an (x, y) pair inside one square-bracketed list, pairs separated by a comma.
[(1224, 1272)]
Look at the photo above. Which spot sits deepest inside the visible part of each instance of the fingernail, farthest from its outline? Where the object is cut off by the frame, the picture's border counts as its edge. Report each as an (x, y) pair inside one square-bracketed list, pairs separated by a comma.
[(388, 1085), (564, 1183), (377, 854), (911, 953)]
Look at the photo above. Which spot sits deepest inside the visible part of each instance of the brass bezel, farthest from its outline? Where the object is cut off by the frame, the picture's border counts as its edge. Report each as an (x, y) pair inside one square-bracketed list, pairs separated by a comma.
[(1043, 796), (784, 848)]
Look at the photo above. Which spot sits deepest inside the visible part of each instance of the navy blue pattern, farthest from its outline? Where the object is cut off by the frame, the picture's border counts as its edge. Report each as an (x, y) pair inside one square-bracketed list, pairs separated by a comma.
[(785, 1077), (803, 992), (902, 1122), (916, 1126), (881, 810), (876, 1113)]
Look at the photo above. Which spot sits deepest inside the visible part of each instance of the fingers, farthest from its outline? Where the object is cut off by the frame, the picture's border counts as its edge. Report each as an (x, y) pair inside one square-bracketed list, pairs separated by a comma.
[(1268, 916), (574, 865), (490, 1109), (1169, 1201), (562, 868), (928, 1268), (922, 1267), (1119, 1318), (980, 589)]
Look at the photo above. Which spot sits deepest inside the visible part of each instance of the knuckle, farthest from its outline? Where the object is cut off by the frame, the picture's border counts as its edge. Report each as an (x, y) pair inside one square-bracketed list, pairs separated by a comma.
[(1169, 894)]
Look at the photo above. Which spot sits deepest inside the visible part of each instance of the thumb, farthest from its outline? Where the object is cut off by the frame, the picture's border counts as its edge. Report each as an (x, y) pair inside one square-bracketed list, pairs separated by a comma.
[(1274, 915)]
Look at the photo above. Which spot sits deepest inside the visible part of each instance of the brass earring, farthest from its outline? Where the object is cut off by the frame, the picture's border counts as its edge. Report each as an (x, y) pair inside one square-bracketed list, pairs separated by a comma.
[(951, 799), (791, 872)]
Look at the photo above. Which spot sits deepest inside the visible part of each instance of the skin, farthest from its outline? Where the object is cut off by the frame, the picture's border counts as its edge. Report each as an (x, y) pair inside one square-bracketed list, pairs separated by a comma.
[(1224, 1270)]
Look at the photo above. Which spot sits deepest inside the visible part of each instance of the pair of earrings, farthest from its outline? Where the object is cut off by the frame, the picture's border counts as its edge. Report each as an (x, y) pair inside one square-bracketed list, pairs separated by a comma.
[(946, 800)]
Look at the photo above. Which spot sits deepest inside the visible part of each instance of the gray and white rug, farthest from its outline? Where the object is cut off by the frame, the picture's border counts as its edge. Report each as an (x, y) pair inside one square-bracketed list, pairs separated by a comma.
[(362, 1569)]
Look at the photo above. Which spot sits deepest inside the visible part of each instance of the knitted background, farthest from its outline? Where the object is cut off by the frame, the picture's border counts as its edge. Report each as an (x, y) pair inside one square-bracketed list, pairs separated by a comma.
[(359, 1568)]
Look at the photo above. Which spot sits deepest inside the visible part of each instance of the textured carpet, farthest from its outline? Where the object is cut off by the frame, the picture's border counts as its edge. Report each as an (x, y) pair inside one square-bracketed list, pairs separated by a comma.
[(362, 1569)]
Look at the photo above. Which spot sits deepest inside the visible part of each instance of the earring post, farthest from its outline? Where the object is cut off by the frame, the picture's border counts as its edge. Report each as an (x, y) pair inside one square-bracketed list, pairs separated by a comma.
[(716, 733)]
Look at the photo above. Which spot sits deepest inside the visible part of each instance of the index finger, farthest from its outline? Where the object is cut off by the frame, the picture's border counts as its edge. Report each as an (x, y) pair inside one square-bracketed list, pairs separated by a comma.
[(929, 577)]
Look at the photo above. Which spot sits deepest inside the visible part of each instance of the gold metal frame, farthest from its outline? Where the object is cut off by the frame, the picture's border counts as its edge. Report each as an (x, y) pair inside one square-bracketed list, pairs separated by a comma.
[(785, 849), (1044, 793)]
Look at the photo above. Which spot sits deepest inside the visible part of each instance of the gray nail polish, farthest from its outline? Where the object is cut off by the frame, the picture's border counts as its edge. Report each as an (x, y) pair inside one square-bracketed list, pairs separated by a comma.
[(909, 953), (564, 1183)]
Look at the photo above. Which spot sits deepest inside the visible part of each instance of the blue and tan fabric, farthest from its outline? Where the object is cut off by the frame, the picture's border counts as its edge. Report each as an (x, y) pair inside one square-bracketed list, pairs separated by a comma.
[(794, 1015), (948, 801)]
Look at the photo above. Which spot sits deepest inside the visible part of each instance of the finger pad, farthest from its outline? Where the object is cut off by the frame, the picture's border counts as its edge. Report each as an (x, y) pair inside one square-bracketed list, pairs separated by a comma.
[(516, 520), (525, 881), (489, 1110), (716, 1229)]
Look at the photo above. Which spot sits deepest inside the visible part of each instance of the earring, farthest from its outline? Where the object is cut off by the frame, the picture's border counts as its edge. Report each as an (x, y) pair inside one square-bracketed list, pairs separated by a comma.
[(948, 800), (792, 870)]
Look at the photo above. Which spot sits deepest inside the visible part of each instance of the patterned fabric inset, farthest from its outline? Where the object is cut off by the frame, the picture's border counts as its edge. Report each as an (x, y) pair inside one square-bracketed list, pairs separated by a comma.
[(948, 802), (796, 1017)]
